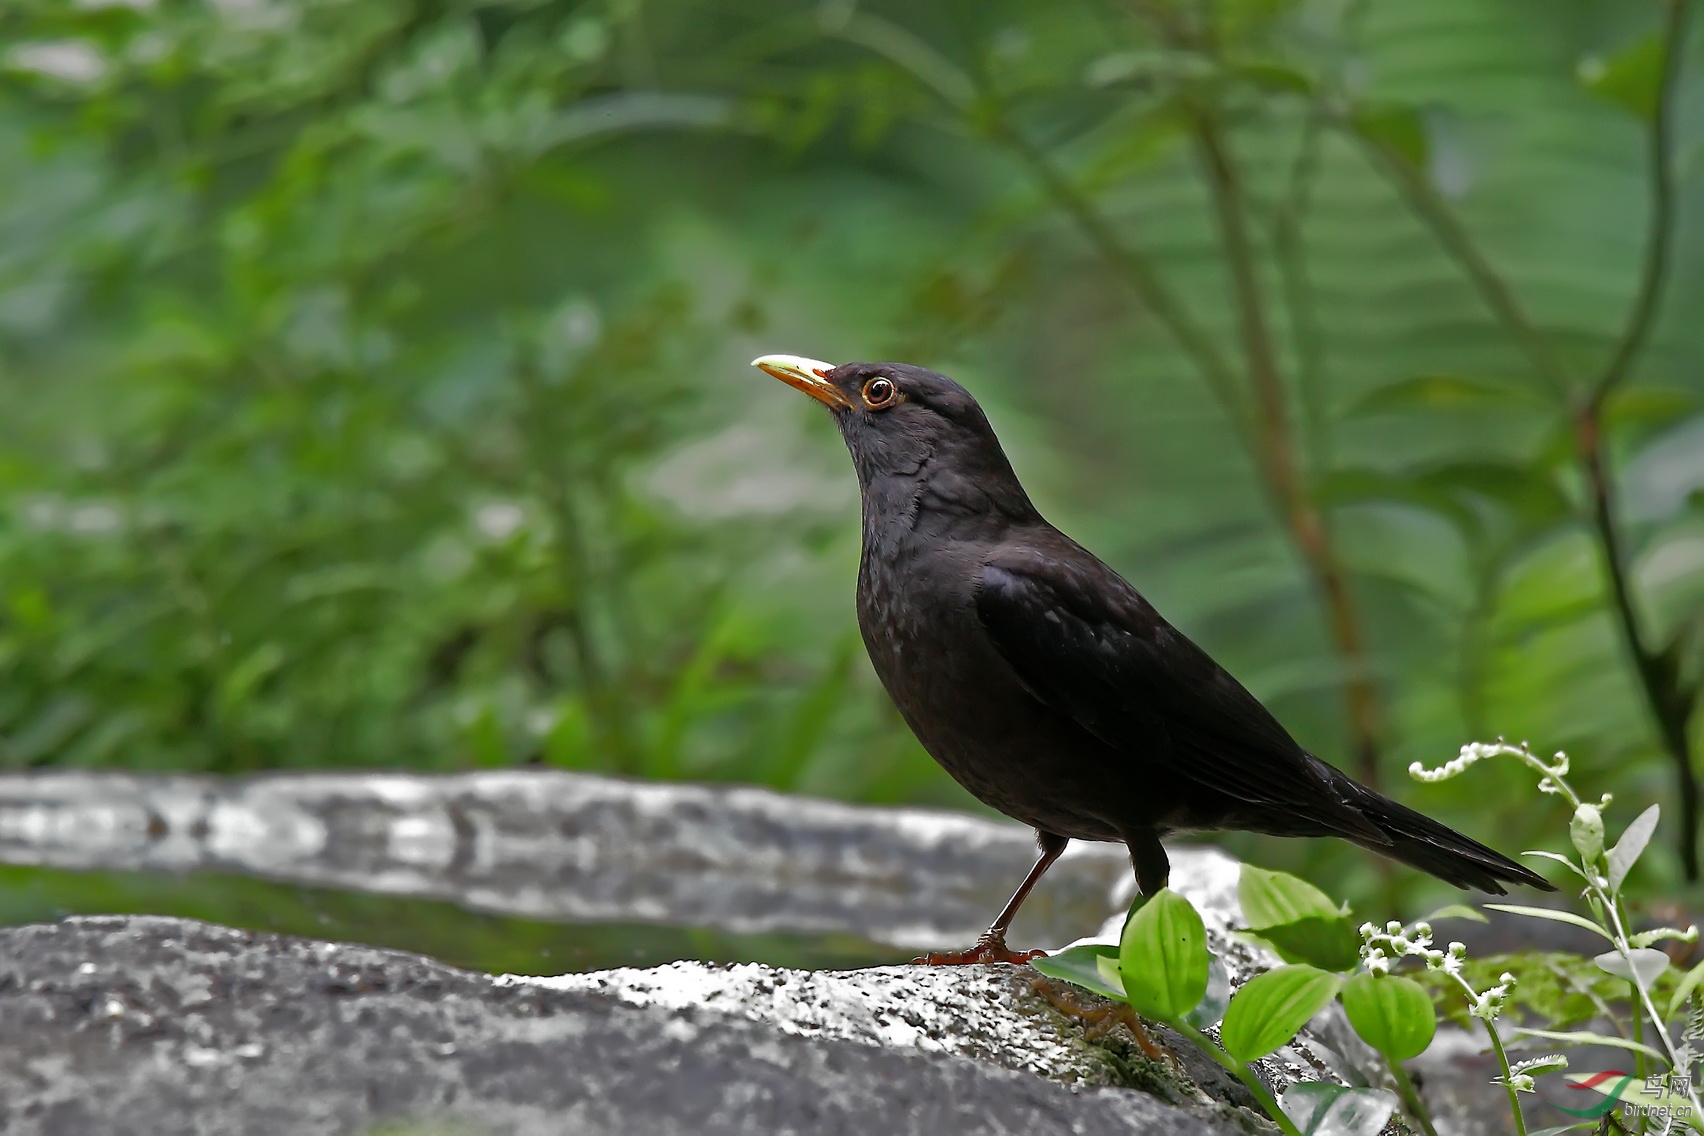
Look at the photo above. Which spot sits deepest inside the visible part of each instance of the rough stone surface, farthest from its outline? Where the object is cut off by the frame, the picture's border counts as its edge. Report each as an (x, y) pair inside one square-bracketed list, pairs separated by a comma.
[(158, 1025), (150, 1025), (564, 846)]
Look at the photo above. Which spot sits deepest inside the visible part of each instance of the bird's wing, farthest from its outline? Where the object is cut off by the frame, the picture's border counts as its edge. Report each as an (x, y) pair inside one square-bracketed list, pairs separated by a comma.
[(1086, 643)]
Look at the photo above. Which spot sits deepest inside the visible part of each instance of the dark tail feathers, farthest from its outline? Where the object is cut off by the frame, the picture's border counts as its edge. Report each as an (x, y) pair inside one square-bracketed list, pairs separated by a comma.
[(1421, 842)]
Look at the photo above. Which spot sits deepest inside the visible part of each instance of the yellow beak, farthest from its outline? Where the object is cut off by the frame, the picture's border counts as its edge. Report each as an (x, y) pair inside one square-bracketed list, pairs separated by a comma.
[(806, 375)]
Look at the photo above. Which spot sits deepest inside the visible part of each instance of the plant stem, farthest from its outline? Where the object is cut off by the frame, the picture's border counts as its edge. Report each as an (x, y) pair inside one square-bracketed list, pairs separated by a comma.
[(1411, 1101), (1641, 1063), (1244, 1074), (1659, 679), (1497, 1048), (1508, 1078)]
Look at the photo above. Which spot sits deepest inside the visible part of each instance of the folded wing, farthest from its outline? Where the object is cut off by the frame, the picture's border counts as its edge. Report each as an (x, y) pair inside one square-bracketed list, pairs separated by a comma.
[(1086, 643)]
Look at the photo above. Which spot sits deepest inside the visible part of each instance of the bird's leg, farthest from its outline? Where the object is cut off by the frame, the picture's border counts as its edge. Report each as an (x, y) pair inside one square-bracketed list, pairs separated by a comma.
[(991, 947), (1148, 857)]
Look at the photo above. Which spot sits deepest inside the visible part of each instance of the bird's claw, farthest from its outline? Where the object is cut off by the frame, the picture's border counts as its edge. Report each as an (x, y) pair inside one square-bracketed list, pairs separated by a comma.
[(988, 949), (1101, 1017)]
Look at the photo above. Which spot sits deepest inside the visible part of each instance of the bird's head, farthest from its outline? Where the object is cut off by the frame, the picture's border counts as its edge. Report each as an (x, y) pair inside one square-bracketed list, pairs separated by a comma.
[(905, 422)]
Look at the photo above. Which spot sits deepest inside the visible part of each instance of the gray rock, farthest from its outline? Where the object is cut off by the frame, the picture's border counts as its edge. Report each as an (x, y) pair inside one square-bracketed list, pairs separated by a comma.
[(150, 1025), (574, 847), (155, 1023)]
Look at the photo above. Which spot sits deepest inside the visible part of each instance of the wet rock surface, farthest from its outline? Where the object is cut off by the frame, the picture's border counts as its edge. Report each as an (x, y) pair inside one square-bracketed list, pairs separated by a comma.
[(149, 1025), (575, 847)]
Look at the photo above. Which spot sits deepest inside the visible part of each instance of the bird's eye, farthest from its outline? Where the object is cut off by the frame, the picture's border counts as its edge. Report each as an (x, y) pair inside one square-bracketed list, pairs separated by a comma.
[(879, 392)]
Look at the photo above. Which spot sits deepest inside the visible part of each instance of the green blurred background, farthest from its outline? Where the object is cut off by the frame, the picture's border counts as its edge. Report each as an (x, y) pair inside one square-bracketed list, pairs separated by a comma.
[(375, 385)]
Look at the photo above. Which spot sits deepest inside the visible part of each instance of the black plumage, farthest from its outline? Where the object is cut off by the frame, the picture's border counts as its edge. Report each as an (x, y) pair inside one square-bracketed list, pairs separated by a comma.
[(1045, 684)]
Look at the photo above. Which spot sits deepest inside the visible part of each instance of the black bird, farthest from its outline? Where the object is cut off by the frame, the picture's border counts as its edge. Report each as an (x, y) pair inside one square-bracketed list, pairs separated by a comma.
[(1045, 684)]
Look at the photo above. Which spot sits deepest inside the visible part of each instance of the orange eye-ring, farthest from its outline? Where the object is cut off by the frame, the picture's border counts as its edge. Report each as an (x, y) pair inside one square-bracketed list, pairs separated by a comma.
[(879, 392)]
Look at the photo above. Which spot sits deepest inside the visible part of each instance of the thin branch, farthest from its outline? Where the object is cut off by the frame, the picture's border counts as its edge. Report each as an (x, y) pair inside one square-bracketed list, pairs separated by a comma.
[(1277, 444), (1670, 705)]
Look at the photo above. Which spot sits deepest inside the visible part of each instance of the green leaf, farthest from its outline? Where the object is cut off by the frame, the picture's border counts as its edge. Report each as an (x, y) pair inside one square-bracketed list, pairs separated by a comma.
[(1555, 989), (1442, 393), (1586, 1037), (1457, 911), (1149, 66), (1631, 846), (1630, 79), (1641, 965), (1163, 958), (1271, 1008), (1330, 943), (1392, 1014), (1079, 966), (1529, 493), (1275, 75), (1554, 916), (1270, 899), (1658, 934), (1322, 1109), (1107, 968), (1298, 920), (1684, 991), (1395, 128), (1563, 860), (1247, 20), (1648, 406)]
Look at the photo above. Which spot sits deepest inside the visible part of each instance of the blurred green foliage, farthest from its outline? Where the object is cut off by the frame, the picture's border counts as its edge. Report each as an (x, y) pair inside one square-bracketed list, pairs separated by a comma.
[(375, 384)]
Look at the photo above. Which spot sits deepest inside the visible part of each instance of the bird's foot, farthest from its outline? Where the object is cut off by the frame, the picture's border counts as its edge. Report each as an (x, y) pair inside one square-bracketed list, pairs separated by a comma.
[(988, 949), (1100, 1018)]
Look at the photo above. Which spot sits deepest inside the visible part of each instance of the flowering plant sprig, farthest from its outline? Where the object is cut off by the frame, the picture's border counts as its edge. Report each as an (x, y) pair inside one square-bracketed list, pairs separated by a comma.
[(1603, 869), (1381, 948)]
